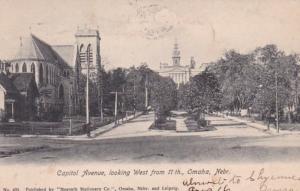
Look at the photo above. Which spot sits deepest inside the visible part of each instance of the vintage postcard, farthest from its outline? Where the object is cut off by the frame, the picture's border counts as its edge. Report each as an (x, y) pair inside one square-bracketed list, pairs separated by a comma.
[(149, 95)]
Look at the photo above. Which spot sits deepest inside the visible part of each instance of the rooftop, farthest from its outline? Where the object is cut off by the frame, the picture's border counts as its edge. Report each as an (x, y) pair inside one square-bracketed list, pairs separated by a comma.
[(66, 52), (33, 48)]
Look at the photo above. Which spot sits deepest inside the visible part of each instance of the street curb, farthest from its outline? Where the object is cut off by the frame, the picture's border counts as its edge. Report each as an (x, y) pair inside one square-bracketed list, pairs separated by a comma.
[(262, 130), (270, 131), (93, 135)]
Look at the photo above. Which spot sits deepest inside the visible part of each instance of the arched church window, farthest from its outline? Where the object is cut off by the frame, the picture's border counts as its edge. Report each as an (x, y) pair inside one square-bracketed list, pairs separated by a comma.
[(41, 72), (32, 68), (54, 75), (24, 68), (90, 53), (17, 67), (50, 75), (82, 53), (46, 74)]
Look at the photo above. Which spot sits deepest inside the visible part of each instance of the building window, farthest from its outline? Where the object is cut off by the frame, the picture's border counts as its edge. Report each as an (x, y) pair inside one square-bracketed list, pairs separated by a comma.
[(53, 76), (46, 74), (90, 53), (41, 74), (17, 67), (32, 68), (82, 54), (50, 75), (24, 68)]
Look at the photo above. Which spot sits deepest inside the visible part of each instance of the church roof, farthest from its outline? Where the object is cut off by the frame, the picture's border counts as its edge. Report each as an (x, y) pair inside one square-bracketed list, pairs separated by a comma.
[(7, 84), (66, 52), (33, 48)]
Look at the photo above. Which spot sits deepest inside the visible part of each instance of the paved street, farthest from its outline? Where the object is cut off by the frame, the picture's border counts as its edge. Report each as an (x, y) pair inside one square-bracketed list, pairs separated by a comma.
[(229, 141)]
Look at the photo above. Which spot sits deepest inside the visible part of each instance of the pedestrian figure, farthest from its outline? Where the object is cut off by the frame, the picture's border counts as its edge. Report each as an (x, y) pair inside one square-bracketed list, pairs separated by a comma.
[(87, 129)]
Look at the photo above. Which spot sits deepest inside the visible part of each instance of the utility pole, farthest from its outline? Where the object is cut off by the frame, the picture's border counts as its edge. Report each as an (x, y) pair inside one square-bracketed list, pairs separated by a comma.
[(87, 87), (101, 105), (276, 100), (70, 110), (116, 93), (146, 92), (134, 96), (116, 107), (100, 92)]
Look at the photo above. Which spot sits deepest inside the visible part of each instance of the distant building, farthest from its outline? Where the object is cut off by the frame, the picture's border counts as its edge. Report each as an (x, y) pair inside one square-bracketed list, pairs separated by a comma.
[(180, 74), (56, 71)]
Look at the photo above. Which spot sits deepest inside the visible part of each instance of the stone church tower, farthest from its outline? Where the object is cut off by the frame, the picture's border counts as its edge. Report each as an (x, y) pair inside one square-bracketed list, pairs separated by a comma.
[(88, 46), (88, 43)]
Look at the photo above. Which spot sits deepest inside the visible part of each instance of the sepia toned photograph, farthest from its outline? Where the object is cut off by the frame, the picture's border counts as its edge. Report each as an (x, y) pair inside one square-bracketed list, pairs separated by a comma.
[(149, 82), (149, 95)]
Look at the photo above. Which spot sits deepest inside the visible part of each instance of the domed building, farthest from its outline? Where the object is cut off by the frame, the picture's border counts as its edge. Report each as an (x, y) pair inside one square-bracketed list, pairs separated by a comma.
[(179, 73)]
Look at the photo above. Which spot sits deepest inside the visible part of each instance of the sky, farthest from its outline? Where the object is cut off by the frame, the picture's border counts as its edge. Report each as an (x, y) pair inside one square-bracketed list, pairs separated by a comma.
[(136, 31)]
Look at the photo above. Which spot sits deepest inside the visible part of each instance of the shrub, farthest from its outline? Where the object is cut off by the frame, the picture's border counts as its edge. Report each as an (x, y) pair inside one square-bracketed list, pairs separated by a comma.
[(202, 123)]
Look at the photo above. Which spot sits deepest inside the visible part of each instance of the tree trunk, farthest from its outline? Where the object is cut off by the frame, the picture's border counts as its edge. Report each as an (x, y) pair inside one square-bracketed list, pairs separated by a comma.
[(289, 115)]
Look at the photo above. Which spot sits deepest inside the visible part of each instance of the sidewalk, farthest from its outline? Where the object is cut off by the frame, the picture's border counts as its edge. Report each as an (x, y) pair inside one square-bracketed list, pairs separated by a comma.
[(98, 131), (106, 128), (260, 127)]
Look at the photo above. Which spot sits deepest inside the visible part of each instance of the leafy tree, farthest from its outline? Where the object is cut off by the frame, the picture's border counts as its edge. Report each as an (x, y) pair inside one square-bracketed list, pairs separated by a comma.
[(163, 96), (279, 75), (252, 80), (239, 77), (203, 93)]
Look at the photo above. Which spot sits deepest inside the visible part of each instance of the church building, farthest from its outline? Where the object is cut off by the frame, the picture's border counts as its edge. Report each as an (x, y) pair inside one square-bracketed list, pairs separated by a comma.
[(58, 69)]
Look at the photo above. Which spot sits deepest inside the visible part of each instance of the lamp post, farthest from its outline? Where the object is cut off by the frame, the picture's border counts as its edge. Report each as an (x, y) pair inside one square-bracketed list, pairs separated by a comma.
[(11, 101)]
